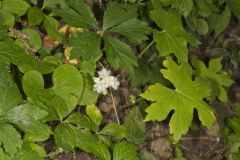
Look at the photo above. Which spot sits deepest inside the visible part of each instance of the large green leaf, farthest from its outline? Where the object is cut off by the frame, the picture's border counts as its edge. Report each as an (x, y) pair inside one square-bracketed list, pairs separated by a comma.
[(94, 114), (85, 45), (117, 13), (135, 126), (68, 137), (63, 96), (215, 76), (125, 151), (18, 7), (10, 139), (34, 38), (187, 96), (77, 14), (119, 54)]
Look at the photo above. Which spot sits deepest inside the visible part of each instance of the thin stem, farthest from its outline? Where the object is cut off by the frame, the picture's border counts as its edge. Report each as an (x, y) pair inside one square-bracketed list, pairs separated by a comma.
[(145, 49), (114, 106), (54, 153), (101, 64)]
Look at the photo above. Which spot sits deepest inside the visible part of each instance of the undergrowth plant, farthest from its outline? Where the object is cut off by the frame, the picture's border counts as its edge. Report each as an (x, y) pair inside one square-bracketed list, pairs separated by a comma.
[(51, 50)]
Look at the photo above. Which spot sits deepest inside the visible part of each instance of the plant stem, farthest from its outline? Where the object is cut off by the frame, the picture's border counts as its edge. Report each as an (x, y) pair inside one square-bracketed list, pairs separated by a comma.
[(145, 49), (114, 106), (54, 153)]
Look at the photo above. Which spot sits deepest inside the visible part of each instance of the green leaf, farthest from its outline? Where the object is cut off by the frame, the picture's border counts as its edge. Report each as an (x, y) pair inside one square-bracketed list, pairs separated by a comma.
[(22, 117), (147, 156), (35, 16), (125, 151), (202, 26), (77, 14), (187, 96), (173, 34), (10, 139), (6, 18), (234, 5), (85, 45), (115, 130), (215, 76), (51, 24), (34, 38), (9, 93), (10, 52), (68, 137), (184, 6), (119, 54), (52, 3), (134, 30), (117, 13), (82, 121), (179, 155), (63, 96), (219, 22), (30, 151), (94, 113), (135, 126), (18, 7), (88, 96)]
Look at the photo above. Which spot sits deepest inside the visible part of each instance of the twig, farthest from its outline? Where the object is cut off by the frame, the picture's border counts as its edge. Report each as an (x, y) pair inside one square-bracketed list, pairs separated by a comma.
[(114, 106), (145, 49)]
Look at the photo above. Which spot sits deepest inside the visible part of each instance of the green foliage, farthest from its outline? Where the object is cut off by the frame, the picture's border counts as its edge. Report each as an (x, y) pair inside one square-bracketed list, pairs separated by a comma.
[(186, 96), (213, 74)]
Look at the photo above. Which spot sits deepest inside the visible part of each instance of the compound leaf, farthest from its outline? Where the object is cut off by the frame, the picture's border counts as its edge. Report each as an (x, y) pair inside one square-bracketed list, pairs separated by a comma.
[(119, 54)]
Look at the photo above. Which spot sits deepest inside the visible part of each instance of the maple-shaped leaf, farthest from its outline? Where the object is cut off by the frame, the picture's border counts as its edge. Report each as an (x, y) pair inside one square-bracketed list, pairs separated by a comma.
[(187, 96), (213, 73), (173, 38)]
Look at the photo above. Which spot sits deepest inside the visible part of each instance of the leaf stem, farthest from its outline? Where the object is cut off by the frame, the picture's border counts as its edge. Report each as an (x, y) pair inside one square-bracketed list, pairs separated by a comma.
[(114, 106), (145, 49)]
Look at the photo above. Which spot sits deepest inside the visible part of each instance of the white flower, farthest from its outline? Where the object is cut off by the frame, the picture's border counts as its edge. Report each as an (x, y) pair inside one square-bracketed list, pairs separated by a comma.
[(105, 81)]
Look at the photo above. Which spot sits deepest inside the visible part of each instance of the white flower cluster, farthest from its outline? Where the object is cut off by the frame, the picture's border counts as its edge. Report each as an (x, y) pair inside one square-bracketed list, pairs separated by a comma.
[(105, 81)]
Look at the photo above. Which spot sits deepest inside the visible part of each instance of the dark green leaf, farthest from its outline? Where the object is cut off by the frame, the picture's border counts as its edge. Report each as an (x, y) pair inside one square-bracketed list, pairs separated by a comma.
[(18, 7), (35, 16), (125, 151)]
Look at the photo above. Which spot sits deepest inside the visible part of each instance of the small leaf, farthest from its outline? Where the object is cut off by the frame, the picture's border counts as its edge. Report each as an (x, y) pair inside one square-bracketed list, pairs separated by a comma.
[(94, 114), (35, 16), (34, 38), (77, 14), (50, 4), (213, 74), (51, 24), (115, 130), (117, 13), (82, 121), (184, 6), (10, 139), (119, 54), (30, 151), (6, 18), (135, 126), (234, 5), (202, 26), (85, 45), (18, 7), (134, 30), (9, 93), (125, 151), (68, 137)]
